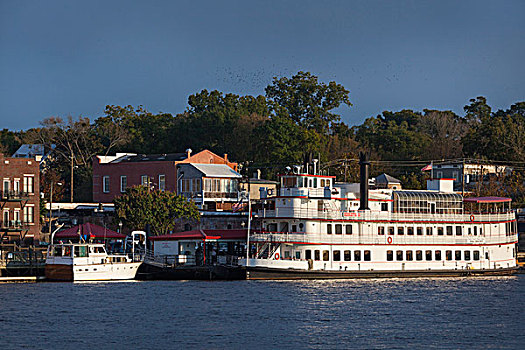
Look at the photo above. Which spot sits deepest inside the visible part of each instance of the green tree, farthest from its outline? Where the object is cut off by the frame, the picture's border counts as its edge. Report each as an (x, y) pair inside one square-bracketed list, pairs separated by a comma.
[(499, 135), (394, 135), (223, 123), (306, 101), (140, 206), (136, 130)]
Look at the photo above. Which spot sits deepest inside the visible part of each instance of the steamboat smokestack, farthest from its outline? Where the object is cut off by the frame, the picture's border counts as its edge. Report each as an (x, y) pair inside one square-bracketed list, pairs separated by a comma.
[(364, 162)]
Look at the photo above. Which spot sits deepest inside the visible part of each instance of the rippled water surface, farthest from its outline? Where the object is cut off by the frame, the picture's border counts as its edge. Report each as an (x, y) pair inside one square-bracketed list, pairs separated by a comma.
[(457, 313)]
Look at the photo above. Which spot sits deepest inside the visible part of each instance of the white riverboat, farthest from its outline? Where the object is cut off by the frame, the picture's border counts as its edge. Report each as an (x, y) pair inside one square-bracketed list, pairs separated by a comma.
[(316, 228), (91, 262)]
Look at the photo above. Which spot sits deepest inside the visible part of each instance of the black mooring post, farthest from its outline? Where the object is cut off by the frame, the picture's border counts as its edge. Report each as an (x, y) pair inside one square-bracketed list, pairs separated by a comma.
[(364, 162)]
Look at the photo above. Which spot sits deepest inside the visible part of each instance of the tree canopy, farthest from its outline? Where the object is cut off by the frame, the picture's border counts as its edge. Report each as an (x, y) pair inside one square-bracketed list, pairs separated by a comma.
[(141, 206)]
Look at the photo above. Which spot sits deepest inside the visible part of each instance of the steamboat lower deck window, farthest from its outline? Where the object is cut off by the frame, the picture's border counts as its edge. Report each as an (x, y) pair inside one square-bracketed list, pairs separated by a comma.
[(329, 229), (317, 255), (437, 255), (357, 255), (467, 255), (308, 254), (389, 255), (326, 255), (428, 255), (400, 230), (381, 230), (391, 230), (409, 255), (347, 255), (457, 255), (348, 229), (338, 229), (410, 231), (399, 255), (419, 231), (367, 256), (476, 255), (448, 255), (449, 230), (419, 255), (337, 255), (429, 231), (459, 230), (440, 231)]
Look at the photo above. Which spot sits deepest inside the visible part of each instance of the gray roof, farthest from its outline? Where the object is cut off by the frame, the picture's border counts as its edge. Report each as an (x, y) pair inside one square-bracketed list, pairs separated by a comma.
[(387, 179), (29, 150), (215, 170), (170, 157)]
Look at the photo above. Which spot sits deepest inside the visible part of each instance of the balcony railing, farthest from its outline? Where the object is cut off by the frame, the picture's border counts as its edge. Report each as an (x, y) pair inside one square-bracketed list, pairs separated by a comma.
[(229, 195), (14, 225), (314, 213), (13, 195)]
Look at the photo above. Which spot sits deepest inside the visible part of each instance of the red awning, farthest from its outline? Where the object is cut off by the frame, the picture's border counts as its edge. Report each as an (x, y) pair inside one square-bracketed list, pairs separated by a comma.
[(91, 230), (486, 199), (204, 235)]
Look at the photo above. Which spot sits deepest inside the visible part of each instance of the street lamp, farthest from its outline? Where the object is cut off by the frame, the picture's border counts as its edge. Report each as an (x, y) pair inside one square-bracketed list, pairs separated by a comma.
[(51, 207)]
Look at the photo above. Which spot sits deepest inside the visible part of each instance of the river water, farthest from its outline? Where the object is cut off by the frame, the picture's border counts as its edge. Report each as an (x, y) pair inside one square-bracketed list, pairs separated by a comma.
[(450, 313)]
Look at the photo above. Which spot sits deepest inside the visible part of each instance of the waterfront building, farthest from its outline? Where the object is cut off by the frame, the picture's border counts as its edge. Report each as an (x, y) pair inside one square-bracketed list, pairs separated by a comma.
[(467, 173), (200, 247), (113, 174), (19, 200)]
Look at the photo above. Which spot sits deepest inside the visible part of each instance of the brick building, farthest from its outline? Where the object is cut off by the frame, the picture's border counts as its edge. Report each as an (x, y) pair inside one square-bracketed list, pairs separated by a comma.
[(112, 174), (20, 199)]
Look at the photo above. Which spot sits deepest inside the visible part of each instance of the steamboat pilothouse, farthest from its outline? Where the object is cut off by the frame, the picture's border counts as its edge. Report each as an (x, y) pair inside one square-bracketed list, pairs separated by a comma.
[(316, 228)]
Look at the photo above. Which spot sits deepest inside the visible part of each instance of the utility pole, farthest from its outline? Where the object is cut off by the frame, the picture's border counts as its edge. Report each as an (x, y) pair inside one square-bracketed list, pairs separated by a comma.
[(51, 207), (72, 169), (249, 225)]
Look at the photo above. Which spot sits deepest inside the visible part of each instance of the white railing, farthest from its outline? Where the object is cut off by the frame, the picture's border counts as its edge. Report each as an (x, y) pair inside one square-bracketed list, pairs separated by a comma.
[(305, 192), (378, 239), (314, 213)]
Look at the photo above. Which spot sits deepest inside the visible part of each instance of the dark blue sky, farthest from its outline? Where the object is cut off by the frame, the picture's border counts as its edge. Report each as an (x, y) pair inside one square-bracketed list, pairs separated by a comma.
[(73, 58)]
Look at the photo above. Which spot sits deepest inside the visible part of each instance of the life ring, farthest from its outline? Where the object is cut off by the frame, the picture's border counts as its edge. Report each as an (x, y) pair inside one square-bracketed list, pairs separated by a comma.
[(389, 240), (276, 256), (472, 218)]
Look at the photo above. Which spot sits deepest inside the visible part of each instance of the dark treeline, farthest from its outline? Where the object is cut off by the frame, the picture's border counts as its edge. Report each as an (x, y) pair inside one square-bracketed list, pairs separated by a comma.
[(296, 116)]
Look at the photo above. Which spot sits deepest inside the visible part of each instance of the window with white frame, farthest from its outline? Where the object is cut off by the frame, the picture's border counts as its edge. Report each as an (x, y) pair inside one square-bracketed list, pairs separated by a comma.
[(105, 184), (162, 182), (6, 187), (196, 185), (144, 180), (5, 218), (123, 183), (29, 184), (29, 215)]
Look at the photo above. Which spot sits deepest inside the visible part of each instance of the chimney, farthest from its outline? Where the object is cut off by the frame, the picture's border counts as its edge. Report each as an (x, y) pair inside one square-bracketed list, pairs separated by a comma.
[(364, 162), (188, 152), (225, 157), (257, 174)]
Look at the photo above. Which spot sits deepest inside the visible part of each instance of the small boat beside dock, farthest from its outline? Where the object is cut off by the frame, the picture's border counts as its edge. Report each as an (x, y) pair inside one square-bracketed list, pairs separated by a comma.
[(87, 262)]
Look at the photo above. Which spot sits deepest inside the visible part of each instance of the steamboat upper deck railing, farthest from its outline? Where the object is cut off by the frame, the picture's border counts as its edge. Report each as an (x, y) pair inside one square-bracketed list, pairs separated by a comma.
[(332, 214), (371, 238)]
